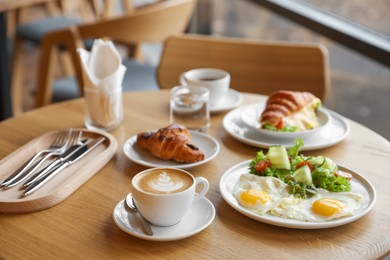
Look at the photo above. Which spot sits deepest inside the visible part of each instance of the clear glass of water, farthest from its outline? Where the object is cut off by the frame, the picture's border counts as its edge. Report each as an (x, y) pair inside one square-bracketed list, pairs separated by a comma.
[(190, 107)]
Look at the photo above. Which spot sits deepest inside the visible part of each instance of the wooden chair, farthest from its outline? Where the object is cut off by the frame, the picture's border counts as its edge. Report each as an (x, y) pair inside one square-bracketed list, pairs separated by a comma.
[(151, 24), (255, 66), (58, 16)]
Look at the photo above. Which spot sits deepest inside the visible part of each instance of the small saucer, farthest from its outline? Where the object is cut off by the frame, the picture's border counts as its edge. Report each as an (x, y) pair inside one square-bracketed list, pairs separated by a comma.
[(232, 99), (198, 217)]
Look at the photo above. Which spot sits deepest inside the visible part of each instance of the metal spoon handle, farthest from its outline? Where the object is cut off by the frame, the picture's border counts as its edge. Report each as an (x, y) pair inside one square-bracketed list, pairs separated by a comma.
[(146, 225), (129, 202)]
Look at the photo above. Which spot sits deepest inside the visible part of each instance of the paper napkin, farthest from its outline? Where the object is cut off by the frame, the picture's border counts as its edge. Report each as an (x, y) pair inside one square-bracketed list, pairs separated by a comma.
[(103, 74)]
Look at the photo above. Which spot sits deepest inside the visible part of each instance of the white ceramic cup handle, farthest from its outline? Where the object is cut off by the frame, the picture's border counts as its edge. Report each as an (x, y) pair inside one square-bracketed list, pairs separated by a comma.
[(183, 81), (200, 195)]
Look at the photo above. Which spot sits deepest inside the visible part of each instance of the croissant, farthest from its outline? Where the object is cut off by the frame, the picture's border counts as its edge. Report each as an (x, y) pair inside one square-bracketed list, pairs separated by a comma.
[(290, 111), (170, 143)]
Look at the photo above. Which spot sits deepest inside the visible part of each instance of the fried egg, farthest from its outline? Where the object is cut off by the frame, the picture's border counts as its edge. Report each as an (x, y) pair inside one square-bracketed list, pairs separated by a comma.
[(259, 194), (322, 207)]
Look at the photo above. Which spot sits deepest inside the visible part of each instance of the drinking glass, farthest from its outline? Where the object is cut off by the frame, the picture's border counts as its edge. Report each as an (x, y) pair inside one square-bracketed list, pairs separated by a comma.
[(103, 109), (189, 107)]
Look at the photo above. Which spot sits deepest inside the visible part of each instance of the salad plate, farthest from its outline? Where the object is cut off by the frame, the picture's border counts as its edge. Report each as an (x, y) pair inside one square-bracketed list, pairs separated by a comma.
[(359, 185), (251, 114), (232, 99), (207, 144), (198, 217), (334, 132)]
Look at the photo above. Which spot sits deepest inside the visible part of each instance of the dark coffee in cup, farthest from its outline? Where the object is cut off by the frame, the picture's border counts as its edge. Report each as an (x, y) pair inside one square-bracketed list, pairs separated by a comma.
[(209, 79)]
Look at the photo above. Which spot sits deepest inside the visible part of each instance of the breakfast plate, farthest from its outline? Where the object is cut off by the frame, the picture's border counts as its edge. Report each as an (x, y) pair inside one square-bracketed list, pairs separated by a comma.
[(334, 132), (198, 217), (232, 99), (359, 185), (250, 116), (207, 144)]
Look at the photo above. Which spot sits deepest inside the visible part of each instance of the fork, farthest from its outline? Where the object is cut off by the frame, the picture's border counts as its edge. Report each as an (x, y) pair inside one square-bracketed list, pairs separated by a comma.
[(58, 146), (75, 144)]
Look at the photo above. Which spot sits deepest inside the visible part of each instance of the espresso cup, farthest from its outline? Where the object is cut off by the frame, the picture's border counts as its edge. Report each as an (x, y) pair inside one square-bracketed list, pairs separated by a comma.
[(164, 195), (216, 80)]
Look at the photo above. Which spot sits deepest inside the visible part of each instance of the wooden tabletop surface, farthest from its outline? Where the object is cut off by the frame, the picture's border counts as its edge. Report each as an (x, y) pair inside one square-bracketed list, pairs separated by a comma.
[(82, 226)]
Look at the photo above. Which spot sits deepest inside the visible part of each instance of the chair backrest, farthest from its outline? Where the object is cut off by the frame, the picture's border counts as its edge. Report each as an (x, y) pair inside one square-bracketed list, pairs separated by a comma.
[(151, 24), (255, 66)]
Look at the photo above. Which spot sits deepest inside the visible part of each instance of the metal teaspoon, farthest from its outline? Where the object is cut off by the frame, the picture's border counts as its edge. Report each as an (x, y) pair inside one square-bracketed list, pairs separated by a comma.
[(131, 205)]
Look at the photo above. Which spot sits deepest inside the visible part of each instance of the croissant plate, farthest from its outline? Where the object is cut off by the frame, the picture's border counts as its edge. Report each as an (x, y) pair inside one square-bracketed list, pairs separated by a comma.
[(171, 143), (290, 111)]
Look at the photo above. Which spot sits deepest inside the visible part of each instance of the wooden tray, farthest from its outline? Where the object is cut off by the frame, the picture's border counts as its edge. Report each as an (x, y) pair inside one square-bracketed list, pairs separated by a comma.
[(61, 186)]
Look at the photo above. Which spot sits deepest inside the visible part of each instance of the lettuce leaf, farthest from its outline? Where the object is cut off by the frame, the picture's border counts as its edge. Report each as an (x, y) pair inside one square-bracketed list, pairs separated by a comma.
[(323, 178), (284, 129), (294, 151)]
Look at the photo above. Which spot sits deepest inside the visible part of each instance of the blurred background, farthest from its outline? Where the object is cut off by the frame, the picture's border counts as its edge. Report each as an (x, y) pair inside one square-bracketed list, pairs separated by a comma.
[(360, 87)]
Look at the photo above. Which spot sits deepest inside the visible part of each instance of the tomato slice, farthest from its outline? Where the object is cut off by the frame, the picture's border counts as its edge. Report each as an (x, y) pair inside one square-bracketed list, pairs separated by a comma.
[(280, 125), (346, 175), (261, 166), (299, 165)]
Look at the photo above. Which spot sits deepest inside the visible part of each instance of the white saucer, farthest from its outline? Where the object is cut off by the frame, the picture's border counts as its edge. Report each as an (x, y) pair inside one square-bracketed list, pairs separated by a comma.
[(359, 185), (199, 217), (207, 144), (232, 99), (335, 131)]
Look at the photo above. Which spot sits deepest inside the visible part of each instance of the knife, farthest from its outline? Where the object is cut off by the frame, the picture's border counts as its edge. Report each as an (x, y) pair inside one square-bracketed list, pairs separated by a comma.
[(56, 163), (76, 156)]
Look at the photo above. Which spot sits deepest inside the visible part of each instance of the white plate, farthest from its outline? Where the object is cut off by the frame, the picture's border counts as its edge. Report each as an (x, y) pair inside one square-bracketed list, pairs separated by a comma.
[(198, 217), (207, 144), (252, 114), (358, 185), (232, 99), (337, 129)]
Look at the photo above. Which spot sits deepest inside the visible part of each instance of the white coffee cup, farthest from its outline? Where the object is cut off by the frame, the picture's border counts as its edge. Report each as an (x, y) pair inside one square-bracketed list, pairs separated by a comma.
[(164, 195), (216, 80)]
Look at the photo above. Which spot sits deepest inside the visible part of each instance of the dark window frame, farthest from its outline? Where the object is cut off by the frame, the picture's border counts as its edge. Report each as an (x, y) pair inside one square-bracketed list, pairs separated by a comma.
[(355, 36)]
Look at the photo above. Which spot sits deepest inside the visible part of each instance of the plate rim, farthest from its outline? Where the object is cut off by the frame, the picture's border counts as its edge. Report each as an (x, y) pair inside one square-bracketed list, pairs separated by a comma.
[(369, 188), (235, 104), (131, 141), (195, 231), (230, 117)]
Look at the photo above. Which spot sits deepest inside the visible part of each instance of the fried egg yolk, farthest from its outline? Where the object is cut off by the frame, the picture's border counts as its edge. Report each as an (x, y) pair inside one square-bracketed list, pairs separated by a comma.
[(327, 207), (250, 198)]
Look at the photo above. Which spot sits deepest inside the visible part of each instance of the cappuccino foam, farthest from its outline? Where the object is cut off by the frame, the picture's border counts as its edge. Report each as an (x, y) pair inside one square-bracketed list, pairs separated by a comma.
[(164, 181)]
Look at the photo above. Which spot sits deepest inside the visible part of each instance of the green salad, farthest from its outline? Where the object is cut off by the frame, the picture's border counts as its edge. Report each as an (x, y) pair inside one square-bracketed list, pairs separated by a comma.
[(302, 174)]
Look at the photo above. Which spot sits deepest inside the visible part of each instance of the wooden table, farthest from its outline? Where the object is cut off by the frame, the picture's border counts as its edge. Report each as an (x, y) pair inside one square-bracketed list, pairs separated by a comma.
[(82, 226)]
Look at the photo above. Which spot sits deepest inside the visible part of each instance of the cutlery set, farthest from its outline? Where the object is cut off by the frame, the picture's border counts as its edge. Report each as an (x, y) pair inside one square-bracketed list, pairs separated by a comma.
[(67, 148)]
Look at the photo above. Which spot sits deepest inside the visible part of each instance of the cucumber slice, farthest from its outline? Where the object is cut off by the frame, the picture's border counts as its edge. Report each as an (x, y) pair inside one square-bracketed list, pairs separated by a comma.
[(317, 161), (303, 175), (279, 158), (330, 165)]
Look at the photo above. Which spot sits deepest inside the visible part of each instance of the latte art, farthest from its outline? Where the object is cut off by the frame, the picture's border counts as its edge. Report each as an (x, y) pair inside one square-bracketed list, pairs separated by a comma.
[(164, 181), (164, 184)]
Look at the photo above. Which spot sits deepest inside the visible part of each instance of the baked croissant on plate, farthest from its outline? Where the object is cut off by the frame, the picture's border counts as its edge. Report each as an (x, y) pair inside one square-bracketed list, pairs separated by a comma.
[(290, 111), (171, 143)]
